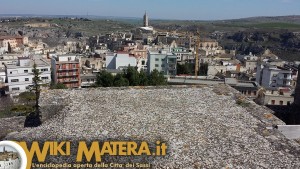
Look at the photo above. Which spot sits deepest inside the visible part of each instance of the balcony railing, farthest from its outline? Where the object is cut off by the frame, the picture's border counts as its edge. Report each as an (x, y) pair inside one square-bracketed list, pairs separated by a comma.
[(68, 80), (285, 78), (68, 68), (67, 74)]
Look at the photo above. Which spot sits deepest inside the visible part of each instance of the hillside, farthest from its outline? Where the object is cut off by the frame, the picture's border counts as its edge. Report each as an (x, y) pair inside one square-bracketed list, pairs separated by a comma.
[(280, 34)]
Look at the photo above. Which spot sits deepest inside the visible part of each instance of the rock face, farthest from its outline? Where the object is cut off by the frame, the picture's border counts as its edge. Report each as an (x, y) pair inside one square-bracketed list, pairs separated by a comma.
[(204, 127)]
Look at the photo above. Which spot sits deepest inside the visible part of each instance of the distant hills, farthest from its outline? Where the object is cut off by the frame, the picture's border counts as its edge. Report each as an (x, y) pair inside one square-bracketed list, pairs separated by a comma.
[(289, 18), (64, 16)]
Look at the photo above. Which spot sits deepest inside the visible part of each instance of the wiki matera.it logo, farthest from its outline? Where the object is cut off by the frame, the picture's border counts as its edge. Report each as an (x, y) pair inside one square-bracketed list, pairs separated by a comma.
[(12, 156)]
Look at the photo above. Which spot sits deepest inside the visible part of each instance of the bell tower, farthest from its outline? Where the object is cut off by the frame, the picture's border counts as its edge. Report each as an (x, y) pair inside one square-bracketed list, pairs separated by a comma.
[(146, 20)]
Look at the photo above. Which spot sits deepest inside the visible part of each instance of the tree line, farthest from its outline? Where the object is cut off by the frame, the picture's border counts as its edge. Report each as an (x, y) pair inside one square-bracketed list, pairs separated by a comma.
[(189, 69), (130, 77)]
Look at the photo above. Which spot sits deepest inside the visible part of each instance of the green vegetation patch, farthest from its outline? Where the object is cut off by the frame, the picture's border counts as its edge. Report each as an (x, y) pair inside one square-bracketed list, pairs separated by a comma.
[(276, 25)]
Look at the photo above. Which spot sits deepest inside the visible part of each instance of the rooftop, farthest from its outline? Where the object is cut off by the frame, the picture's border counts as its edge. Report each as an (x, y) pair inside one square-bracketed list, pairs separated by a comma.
[(38, 62), (203, 126)]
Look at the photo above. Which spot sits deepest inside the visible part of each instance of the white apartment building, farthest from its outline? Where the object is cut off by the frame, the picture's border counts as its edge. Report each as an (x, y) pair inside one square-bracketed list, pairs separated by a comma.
[(163, 62), (19, 76), (119, 60), (270, 76)]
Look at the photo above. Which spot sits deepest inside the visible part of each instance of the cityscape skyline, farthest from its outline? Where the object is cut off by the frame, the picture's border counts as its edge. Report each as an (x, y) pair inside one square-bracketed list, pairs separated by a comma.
[(7, 148), (166, 9)]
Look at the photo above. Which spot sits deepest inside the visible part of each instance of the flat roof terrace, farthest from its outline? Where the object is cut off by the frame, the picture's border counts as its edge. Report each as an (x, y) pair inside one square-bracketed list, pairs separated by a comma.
[(204, 127)]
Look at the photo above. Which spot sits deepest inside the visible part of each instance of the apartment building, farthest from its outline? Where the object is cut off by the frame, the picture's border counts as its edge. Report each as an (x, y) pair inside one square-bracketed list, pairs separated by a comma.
[(19, 76), (163, 62), (13, 41), (120, 60), (66, 70), (270, 76), (282, 97)]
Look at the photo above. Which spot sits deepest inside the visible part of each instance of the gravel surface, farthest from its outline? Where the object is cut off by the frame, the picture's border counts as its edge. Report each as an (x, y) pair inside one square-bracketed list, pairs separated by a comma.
[(204, 127), (8, 125)]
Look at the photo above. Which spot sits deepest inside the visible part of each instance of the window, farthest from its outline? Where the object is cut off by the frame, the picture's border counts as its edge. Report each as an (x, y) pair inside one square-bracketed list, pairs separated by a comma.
[(249, 93), (285, 75), (156, 65), (10, 72), (14, 80), (162, 65), (281, 102), (74, 65), (162, 60), (45, 78), (273, 102), (25, 71), (16, 88), (156, 59), (26, 79), (281, 92)]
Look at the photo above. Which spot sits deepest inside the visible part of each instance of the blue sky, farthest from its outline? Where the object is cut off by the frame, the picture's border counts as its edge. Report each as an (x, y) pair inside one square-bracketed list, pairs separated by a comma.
[(7, 148), (158, 9)]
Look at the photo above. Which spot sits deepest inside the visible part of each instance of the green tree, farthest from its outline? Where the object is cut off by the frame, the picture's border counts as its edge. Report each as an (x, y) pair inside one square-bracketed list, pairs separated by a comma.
[(120, 80), (203, 69), (143, 78), (36, 87), (104, 79), (58, 86), (22, 109), (132, 75), (27, 97), (157, 78), (185, 68), (34, 118)]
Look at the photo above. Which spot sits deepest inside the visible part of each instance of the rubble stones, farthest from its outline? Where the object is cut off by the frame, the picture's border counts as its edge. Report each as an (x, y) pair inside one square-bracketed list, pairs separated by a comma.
[(12, 124), (202, 128)]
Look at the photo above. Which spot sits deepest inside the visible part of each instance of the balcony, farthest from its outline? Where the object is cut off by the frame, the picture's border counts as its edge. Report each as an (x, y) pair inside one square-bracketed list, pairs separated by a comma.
[(288, 78), (67, 68), (67, 74), (74, 80)]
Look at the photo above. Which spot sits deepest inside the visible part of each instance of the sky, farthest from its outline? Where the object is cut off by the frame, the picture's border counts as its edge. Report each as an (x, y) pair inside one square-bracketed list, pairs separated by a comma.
[(156, 9), (7, 148)]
